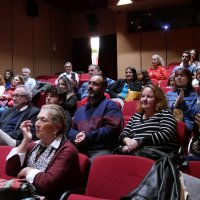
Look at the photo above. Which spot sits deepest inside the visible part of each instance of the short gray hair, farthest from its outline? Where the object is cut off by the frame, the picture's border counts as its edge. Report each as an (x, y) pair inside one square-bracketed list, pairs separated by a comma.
[(26, 69), (27, 92)]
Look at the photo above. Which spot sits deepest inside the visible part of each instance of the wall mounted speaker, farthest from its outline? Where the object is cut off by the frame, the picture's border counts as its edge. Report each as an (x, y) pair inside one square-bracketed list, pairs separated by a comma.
[(32, 8), (92, 19)]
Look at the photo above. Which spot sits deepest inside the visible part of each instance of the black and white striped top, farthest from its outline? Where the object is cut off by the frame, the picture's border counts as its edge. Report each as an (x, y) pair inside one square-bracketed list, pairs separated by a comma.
[(159, 130)]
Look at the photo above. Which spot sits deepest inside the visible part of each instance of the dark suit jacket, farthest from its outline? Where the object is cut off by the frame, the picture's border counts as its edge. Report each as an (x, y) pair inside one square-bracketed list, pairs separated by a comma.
[(62, 173), (29, 114)]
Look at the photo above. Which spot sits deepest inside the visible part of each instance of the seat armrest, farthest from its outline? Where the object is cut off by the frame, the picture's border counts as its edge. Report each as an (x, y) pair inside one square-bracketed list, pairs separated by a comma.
[(66, 194)]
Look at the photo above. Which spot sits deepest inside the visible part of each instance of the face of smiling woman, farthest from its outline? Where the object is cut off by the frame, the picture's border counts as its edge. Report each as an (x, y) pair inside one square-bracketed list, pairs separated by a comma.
[(148, 101)]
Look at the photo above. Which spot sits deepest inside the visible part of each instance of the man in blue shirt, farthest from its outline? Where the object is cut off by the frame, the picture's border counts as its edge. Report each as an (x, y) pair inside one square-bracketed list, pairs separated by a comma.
[(92, 70)]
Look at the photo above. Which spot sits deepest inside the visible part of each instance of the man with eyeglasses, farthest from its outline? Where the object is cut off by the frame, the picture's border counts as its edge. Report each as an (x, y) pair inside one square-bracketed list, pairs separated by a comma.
[(11, 118)]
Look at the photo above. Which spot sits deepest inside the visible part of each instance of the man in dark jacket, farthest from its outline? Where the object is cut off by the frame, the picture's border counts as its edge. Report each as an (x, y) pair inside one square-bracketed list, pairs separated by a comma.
[(96, 125), (11, 119)]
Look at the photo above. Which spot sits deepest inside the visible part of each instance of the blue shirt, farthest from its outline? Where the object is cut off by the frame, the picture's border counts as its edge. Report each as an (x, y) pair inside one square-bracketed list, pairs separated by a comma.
[(83, 91)]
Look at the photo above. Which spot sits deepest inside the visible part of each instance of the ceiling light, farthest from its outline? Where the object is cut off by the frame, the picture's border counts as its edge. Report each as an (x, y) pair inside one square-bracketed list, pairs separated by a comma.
[(124, 2)]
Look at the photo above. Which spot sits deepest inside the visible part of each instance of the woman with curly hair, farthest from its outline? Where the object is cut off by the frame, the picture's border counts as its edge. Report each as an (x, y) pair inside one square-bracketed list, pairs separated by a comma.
[(153, 126)]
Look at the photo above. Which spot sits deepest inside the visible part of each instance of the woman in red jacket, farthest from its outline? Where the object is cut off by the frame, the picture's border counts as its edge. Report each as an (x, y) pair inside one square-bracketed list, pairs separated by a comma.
[(51, 164)]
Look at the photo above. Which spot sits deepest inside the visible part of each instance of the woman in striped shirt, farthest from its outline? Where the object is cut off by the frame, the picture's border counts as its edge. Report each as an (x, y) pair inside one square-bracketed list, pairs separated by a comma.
[(152, 126)]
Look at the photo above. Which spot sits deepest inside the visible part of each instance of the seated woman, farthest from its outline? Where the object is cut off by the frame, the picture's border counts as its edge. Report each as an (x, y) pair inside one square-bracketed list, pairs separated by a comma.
[(121, 87), (51, 164), (71, 99), (8, 76), (157, 71), (6, 100), (143, 77), (170, 82), (183, 96), (153, 126)]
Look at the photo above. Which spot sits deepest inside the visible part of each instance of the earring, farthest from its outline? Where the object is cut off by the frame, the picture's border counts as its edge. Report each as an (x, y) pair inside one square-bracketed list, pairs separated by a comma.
[(55, 134)]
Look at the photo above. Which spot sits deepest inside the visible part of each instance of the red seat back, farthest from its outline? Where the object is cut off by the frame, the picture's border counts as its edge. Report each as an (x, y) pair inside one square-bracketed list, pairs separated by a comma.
[(183, 137), (113, 176), (163, 83), (84, 168), (4, 151), (129, 110), (192, 169), (39, 100)]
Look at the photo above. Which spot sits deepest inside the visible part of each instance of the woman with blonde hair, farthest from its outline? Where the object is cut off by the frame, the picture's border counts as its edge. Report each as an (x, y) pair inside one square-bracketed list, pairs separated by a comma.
[(50, 164), (153, 127), (71, 99)]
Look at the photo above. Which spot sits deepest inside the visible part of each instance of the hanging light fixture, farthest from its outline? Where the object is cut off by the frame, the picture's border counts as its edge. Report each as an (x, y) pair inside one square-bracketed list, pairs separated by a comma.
[(124, 2)]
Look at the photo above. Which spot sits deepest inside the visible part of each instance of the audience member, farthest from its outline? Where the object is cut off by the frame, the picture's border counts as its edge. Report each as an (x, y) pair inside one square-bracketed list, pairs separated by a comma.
[(2, 86), (157, 71), (6, 100), (143, 77), (29, 82), (70, 98), (182, 96), (96, 125), (196, 81), (194, 58), (170, 82), (119, 90), (52, 163), (72, 76), (54, 95), (11, 118), (153, 126), (8, 76), (92, 70), (186, 64)]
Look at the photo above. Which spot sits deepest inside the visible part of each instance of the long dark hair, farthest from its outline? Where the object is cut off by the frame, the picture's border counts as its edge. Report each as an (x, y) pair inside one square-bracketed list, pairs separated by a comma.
[(188, 74)]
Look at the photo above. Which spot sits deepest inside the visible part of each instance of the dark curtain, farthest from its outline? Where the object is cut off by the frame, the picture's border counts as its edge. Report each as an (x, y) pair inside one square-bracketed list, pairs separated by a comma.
[(108, 55), (81, 54)]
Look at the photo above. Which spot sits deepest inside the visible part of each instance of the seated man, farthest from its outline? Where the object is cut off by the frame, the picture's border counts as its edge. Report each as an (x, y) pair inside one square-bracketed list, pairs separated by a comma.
[(11, 119), (72, 76), (96, 125), (29, 82), (54, 95), (92, 70)]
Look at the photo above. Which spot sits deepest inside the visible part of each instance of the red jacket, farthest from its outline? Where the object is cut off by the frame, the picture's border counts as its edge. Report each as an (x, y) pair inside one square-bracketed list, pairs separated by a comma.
[(159, 73), (62, 173)]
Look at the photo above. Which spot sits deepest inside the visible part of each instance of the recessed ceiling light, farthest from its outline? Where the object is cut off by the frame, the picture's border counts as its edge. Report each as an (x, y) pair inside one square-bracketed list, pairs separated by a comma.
[(124, 2)]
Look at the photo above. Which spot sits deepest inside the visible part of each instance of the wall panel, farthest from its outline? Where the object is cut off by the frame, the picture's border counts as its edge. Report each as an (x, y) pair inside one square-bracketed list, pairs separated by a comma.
[(152, 43), (42, 41), (22, 37), (5, 36), (177, 41)]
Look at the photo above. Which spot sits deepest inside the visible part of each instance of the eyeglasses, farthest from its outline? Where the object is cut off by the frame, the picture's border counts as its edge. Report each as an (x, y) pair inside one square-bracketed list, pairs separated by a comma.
[(18, 95)]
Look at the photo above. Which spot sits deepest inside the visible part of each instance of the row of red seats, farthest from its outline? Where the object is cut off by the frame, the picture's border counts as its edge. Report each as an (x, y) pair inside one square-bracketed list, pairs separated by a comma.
[(114, 176)]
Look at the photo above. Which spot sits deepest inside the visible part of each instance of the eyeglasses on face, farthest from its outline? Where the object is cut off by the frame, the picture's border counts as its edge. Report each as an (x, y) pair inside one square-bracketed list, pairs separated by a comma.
[(18, 95)]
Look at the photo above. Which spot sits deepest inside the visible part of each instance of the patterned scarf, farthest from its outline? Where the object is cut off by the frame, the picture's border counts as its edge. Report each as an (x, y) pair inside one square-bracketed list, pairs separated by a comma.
[(40, 157)]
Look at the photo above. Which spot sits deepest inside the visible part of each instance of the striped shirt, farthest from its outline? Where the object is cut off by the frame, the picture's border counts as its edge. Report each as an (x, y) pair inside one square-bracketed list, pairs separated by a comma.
[(157, 131)]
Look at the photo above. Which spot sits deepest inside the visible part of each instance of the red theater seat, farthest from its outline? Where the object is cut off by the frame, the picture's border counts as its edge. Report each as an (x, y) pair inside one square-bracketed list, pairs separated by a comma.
[(113, 176)]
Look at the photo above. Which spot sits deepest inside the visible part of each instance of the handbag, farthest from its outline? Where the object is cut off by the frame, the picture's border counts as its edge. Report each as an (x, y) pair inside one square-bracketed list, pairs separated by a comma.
[(17, 189)]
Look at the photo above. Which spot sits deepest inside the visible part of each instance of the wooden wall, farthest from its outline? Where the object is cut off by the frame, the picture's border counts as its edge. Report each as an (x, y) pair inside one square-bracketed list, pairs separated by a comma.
[(44, 43), (37, 42)]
